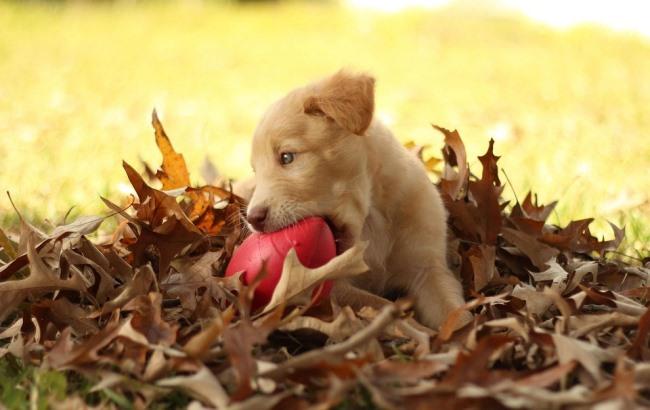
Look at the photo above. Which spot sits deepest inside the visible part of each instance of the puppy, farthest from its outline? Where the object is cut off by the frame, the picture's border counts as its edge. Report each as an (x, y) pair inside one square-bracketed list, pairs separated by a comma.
[(319, 151)]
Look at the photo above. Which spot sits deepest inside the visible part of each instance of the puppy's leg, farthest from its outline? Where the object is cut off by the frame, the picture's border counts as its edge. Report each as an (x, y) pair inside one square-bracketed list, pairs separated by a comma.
[(437, 293), (347, 294)]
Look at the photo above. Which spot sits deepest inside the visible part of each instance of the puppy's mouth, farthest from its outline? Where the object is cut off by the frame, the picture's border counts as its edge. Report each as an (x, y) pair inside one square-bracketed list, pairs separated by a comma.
[(342, 237)]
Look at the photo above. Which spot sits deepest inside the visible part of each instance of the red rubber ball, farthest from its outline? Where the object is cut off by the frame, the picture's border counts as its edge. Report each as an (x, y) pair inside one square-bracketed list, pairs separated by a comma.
[(314, 244)]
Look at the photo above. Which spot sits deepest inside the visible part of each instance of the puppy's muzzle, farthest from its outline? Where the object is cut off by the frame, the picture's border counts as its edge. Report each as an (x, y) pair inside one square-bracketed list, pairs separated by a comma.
[(257, 217)]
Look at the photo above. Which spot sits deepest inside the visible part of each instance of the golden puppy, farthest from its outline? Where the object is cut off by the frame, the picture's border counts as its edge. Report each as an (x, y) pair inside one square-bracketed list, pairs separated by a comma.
[(318, 151)]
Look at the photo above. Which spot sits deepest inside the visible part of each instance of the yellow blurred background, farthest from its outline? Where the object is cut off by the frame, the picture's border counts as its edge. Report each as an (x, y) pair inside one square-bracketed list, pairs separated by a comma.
[(568, 107)]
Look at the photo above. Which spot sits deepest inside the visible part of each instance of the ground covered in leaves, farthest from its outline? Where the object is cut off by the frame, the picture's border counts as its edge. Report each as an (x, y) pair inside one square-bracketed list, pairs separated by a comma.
[(143, 317)]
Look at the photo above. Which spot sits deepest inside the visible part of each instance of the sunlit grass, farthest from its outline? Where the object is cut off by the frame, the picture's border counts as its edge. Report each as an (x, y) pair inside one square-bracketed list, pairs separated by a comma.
[(569, 110)]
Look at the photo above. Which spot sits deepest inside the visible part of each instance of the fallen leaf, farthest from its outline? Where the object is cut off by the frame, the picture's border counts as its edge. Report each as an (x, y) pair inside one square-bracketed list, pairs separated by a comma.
[(546, 378), (62, 313), (587, 354), (141, 283), (473, 367), (7, 246), (41, 277), (203, 385), (238, 342), (482, 258), (147, 319), (639, 347), (174, 172), (297, 282), (531, 209), (80, 226), (199, 344), (453, 183), (538, 253)]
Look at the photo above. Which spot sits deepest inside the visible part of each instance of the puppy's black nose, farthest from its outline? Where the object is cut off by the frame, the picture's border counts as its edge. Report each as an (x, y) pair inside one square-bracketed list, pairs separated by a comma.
[(257, 217)]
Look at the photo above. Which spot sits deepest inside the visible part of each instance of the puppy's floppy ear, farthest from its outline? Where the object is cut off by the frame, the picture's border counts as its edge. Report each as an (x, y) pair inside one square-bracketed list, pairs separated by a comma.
[(348, 99)]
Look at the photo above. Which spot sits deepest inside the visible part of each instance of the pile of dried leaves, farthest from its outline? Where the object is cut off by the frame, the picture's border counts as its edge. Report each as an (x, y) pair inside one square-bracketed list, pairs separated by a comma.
[(146, 311)]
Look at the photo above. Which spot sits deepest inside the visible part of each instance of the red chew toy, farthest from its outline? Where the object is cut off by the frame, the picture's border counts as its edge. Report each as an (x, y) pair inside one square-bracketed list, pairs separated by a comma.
[(314, 244)]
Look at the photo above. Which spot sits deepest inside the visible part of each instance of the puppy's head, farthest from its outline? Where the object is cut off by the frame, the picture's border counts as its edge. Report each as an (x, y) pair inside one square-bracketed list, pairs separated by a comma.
[(310, 157)]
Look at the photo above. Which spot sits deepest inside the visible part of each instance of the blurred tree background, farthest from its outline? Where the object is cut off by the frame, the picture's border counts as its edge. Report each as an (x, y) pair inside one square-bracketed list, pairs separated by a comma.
[(78, 80)]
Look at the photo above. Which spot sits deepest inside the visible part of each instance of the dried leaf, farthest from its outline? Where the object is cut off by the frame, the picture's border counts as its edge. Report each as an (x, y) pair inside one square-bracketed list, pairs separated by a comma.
[(344, 325), (538, 253), (546, 378), (41, 277), (174, 172), (203, 385), (536, 302), (239, 341), (80, 226), (530, 209), (588, 355), (7, 246), (147, 319), (454, 183), (482, 258), (297, 282), (472, 367), (199, 344), (141, 283), (639, 347)]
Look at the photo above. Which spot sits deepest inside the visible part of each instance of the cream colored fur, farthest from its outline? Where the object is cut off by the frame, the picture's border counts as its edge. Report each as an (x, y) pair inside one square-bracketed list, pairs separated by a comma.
[(349, 168)]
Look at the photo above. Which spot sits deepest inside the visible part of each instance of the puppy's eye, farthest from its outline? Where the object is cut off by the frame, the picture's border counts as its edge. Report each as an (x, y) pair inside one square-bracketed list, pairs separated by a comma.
[(287, 158)]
